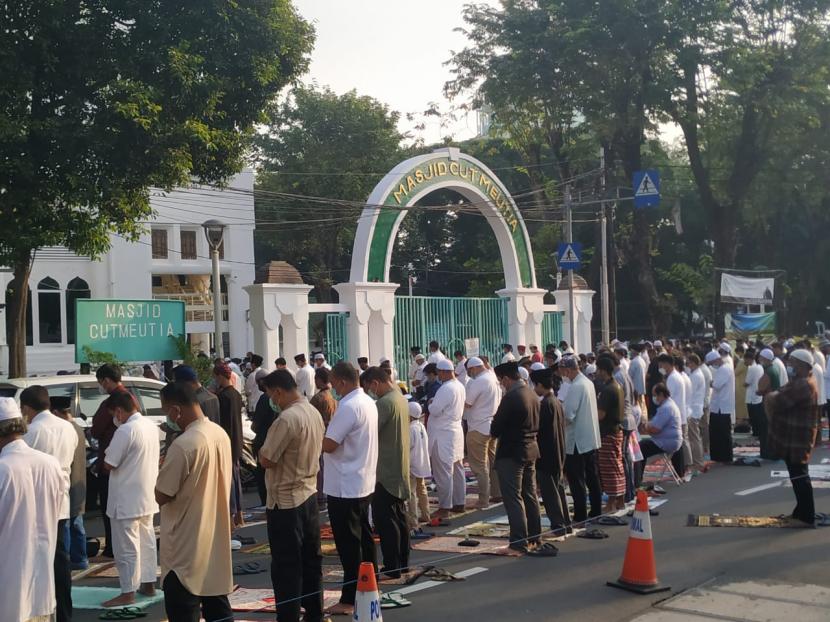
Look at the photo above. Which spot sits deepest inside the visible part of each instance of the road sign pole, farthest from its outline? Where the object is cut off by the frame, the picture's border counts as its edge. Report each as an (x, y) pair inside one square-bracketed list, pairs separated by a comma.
[(606, 324), (569, 239)]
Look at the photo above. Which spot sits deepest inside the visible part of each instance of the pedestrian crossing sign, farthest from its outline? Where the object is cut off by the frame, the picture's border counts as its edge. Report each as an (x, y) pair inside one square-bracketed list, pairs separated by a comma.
[(570, 255), (646, 188)]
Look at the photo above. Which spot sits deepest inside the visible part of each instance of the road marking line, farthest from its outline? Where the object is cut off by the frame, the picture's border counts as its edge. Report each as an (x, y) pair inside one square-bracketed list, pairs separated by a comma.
[(409, 589), (749, 491)]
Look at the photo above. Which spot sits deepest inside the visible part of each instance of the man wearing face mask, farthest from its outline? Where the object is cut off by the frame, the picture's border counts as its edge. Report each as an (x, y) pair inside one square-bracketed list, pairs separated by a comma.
[(192, 490), (103, 427), (664, 428), (582, 440), (265, 412), (793, 419), (290, 456), (721, 406), (392, 487), (132, 459)]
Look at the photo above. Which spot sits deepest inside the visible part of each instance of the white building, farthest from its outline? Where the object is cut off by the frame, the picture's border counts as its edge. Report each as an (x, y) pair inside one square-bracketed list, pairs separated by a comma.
[(171, 261)]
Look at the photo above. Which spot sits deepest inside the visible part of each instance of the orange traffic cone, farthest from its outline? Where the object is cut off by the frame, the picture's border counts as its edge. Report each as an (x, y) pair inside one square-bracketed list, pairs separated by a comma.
[(639, 573), (367, 599)]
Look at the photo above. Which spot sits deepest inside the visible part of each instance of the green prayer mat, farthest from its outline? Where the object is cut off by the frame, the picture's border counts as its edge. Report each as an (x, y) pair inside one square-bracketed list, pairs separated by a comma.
[(717, 520), (91, 598)]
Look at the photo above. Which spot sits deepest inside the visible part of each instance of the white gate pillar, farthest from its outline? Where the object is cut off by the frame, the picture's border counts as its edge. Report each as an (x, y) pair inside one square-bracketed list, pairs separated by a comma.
[(525, 313), (369, 325), (275, 305), (583, 304)]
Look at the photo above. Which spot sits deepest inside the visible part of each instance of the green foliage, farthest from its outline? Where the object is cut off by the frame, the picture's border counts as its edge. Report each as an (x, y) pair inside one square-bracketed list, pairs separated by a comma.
[(192, 357), (96, 358), (320, 144)]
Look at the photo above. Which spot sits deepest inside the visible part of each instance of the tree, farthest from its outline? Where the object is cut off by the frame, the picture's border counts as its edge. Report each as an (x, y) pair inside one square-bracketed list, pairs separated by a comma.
[(320, 144), (561, 71), (101, 101)]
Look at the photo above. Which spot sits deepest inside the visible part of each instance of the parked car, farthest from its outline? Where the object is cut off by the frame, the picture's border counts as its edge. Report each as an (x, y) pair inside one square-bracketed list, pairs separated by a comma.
[(87, 396)]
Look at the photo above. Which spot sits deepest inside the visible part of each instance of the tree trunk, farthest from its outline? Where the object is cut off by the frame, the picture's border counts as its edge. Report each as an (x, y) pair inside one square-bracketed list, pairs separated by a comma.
[(16, 314)]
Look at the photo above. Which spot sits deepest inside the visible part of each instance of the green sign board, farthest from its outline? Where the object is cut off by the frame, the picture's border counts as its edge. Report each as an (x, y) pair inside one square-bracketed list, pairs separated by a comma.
[(130, 330)]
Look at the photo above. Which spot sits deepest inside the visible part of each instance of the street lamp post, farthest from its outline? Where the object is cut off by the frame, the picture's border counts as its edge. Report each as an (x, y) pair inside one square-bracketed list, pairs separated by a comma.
[(214, 232)]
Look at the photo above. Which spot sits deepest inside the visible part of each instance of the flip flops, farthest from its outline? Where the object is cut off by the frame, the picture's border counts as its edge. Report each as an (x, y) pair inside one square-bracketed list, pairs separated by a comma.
[(593, 534), (469, 542), (420, 534), (611, 521), (248, 568), (123, 613), (545, 550), (245, 540), (393, 600)]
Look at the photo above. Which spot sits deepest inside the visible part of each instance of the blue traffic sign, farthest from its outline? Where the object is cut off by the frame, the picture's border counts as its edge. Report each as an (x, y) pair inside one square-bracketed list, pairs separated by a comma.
[(646, 188), (570, 255)]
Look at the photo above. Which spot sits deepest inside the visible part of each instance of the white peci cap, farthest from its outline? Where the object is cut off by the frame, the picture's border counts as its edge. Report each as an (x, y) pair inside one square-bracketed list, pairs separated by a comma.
[(9, 409), (415, 410), (474, 362), (537, 367), (445, 365), (768, 354), (711, 357), (803, 356), (525, 375)]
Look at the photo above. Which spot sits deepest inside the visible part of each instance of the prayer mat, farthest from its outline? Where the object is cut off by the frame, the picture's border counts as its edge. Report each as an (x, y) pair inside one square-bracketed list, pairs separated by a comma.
[(327, 534), (716, 520), (502, 520), (109, 571), (481, 529), (91, 598), (332, 574), (77, 575), (326, 546), (449, 544), (248, 599)]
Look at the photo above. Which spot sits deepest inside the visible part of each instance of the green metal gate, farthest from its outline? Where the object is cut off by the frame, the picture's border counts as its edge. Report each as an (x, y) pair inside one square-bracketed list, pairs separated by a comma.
[(551, 328), (421, 319), (336, 341)]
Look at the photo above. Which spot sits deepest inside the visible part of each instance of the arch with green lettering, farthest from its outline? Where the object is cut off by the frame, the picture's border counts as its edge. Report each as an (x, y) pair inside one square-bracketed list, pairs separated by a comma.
[(413, 179)]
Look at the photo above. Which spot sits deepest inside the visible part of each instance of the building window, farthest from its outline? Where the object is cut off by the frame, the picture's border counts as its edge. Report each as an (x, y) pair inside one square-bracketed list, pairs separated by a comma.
[(29, 331), (188, 244), (49, 310), (159, 243), (77, 288)]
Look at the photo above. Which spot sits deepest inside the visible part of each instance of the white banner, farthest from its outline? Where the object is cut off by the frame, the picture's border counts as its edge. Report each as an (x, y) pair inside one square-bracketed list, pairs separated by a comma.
[(471, 346), (746, 290)]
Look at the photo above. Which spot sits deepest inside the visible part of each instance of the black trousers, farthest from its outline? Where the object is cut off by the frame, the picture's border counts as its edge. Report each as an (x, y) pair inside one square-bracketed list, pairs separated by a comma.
[(389, 515), (517, 481), (353, 537), (649, 448), (805, 508), (628, 466), (296, 561), (720, 437), (182, 606), (259, 477), (581, 471), (103, 495), (553, 498), (63, 577)]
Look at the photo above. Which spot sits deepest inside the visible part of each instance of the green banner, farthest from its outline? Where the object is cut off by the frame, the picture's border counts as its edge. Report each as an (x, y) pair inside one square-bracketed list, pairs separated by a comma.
[(130, 330)]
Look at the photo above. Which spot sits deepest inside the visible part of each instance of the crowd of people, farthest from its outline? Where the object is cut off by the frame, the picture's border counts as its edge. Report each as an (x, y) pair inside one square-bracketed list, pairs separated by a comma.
[(363, 443)]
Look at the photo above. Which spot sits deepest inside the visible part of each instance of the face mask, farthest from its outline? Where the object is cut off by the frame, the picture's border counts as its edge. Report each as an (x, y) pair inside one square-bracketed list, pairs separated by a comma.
[(102, 390), (116, 422), (663, 371), (173, 425), (655, 400), (372, 394), (273, 406), (335, 395), (790, 371)]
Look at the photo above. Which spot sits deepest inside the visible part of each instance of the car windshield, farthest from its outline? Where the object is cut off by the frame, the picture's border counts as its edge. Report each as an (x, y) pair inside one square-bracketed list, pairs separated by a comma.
[(8, 391), (90, 400)]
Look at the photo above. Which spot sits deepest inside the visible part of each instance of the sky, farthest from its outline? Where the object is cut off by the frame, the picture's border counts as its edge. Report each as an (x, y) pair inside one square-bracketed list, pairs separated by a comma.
[(392, 50)]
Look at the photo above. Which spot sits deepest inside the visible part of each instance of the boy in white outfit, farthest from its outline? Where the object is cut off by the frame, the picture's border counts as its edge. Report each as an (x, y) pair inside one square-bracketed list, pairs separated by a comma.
[(133, 461), (419, 467)]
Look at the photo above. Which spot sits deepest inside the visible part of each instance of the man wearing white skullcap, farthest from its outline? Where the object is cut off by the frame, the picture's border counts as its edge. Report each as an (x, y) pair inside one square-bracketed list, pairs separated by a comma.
[(32, 489), (480, 404), (721, 406), (446, 441), (793, 421), (419, 469)]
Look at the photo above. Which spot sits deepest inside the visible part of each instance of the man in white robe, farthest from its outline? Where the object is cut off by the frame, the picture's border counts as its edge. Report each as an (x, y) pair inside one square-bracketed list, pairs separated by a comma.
[(446, 442), (32, 489)]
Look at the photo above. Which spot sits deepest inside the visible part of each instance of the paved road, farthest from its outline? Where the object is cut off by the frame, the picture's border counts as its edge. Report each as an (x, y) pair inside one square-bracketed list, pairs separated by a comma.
[(572, 585)]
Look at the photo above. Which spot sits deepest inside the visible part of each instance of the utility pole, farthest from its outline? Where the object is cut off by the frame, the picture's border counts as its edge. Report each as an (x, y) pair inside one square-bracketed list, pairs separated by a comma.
[(606, 323), (569, 239)]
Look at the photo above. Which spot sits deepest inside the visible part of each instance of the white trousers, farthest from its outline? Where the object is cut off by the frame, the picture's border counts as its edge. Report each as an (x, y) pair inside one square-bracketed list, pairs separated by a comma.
[(450, 481), (134, 547)]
